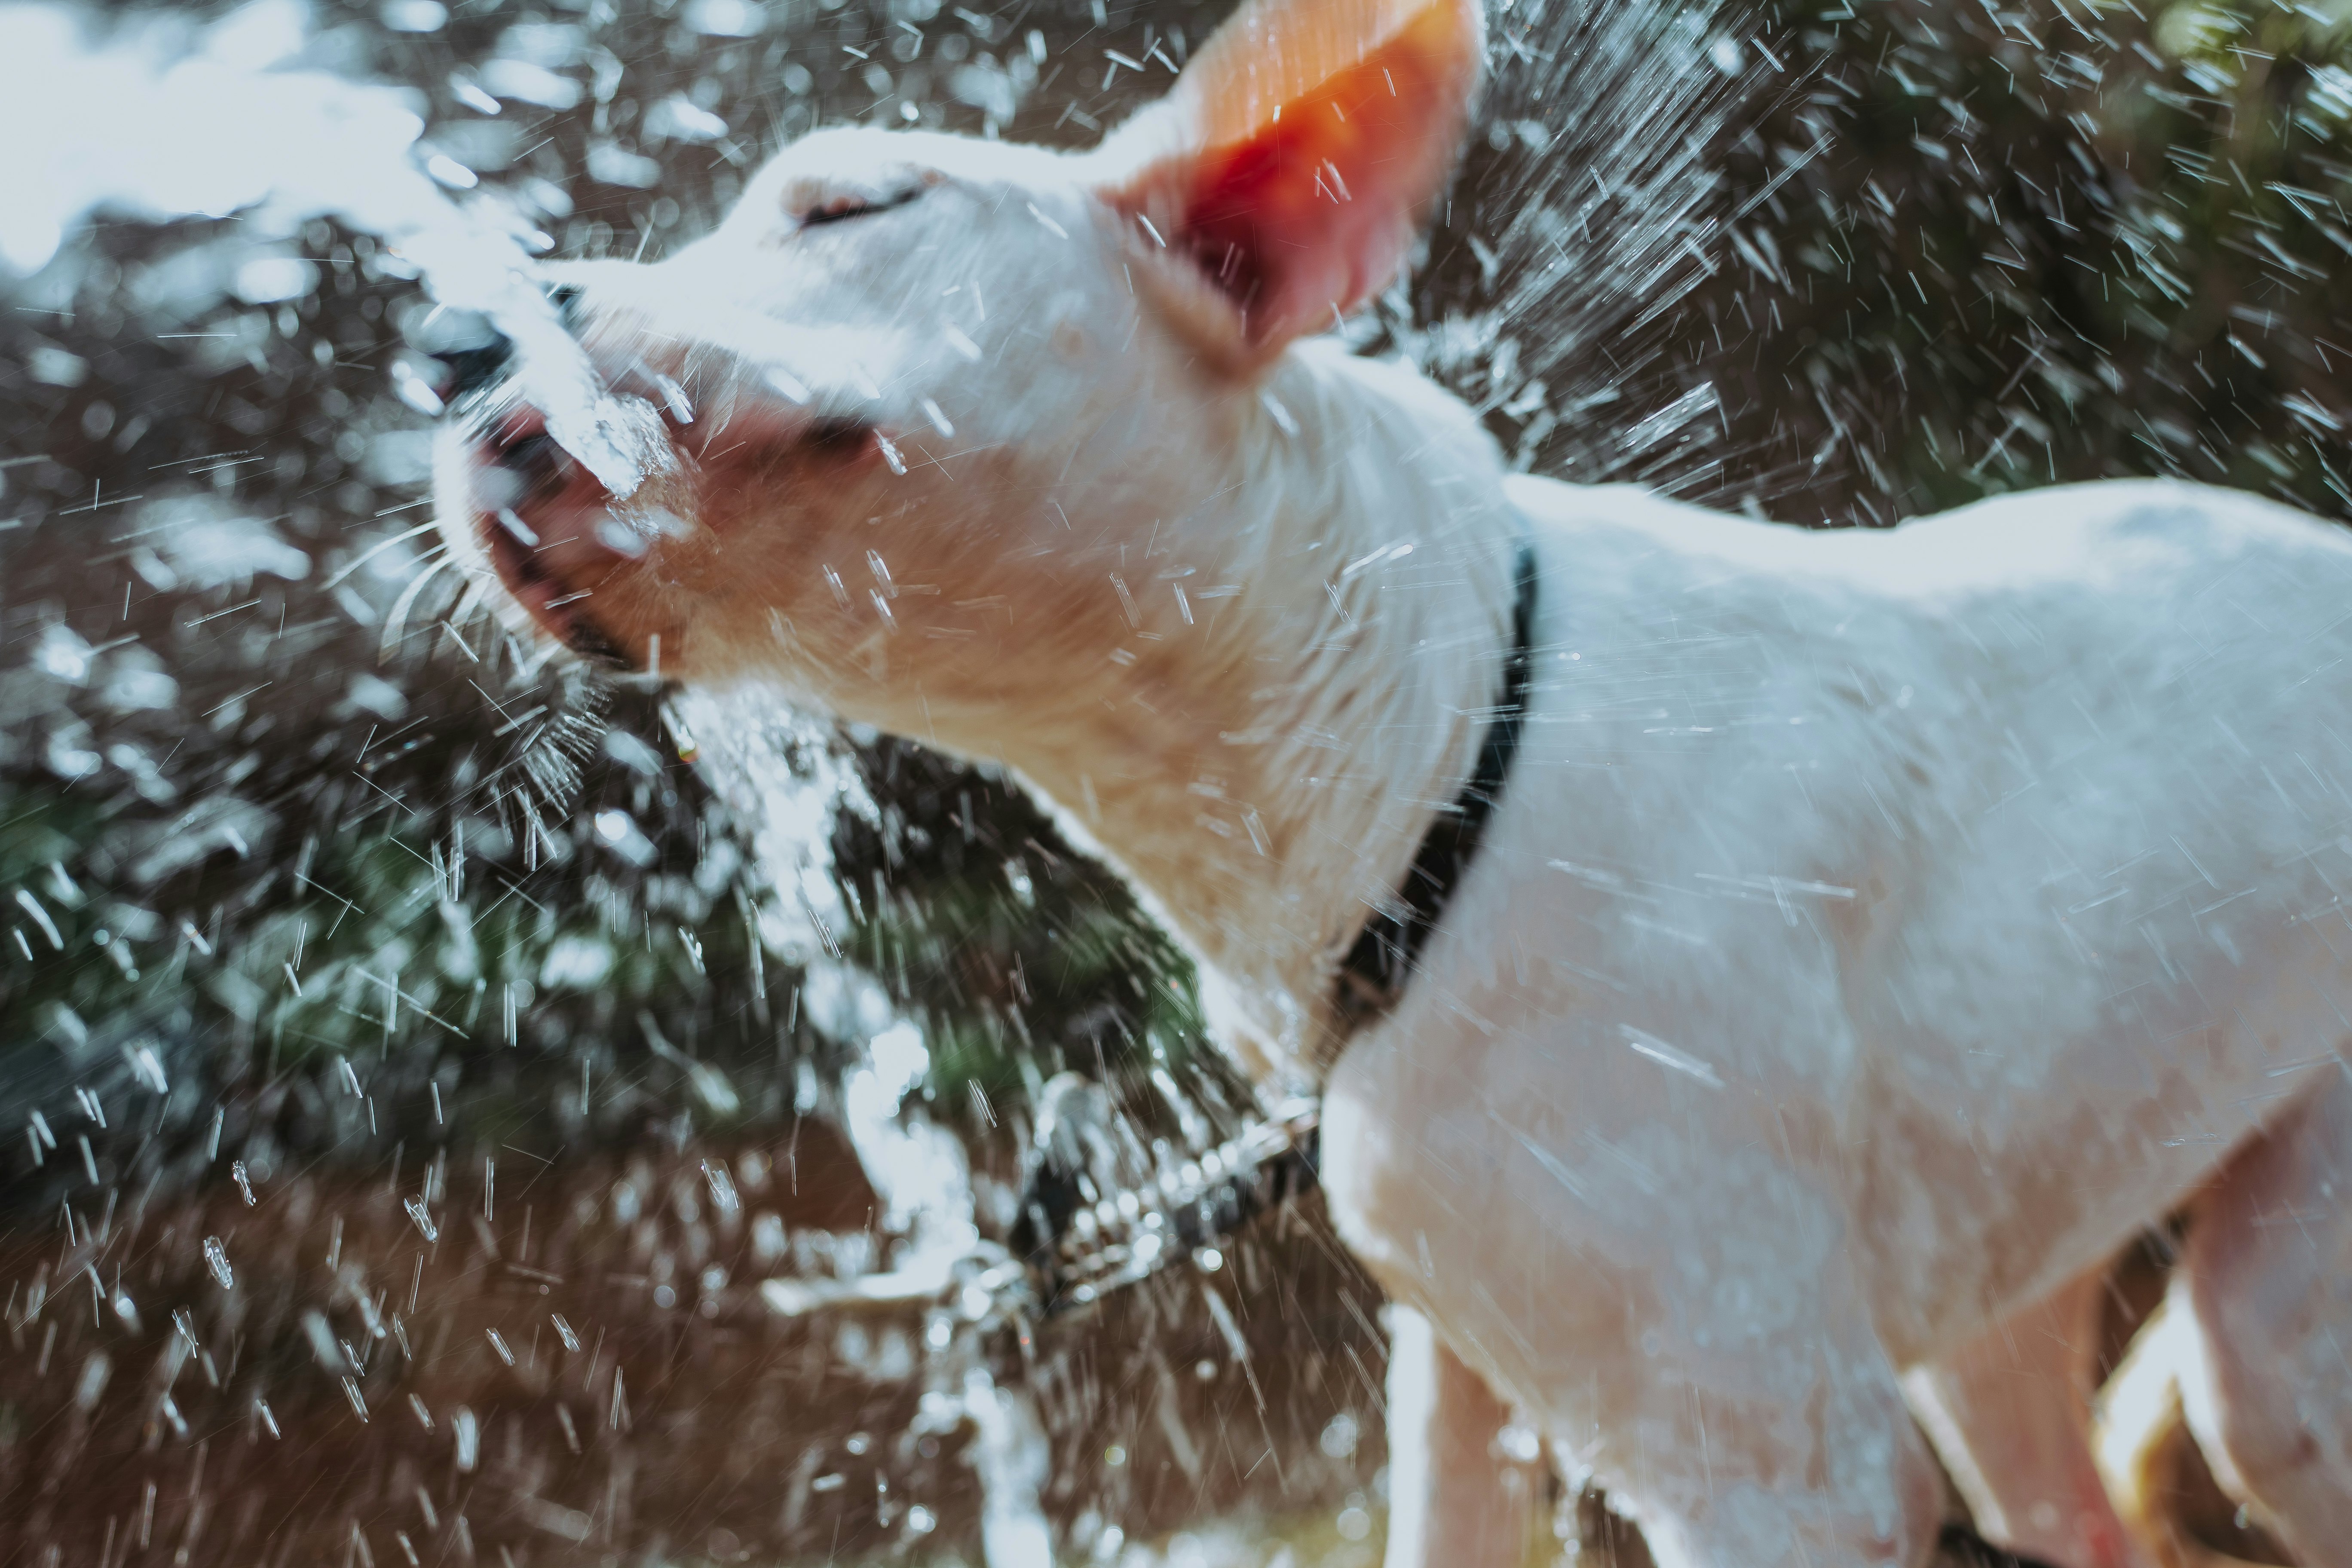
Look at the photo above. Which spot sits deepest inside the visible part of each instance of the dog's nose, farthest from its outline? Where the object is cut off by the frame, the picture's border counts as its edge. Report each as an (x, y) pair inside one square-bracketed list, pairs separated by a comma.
[(567, 300), (472, 369), (481, 364)]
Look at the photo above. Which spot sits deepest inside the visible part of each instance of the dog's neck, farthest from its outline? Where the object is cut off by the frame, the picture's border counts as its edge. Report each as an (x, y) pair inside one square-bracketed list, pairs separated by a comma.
[(1266, 772)]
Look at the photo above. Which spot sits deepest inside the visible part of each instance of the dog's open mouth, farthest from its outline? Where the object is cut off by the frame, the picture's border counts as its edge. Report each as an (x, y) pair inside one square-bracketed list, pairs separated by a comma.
[(549, 528)]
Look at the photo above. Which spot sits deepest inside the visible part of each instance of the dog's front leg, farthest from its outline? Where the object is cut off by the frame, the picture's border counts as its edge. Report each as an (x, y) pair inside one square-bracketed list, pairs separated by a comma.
[(1676, 1304), (2011, 1413), (1454, 1501)]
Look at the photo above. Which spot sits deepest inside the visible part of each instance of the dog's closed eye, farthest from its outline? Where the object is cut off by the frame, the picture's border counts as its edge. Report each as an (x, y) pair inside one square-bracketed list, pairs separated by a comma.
[(847, 204)]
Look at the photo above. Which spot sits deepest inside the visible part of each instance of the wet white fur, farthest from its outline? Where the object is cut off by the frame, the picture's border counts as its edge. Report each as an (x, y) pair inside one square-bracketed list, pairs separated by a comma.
[(1881, 929), (1878, 930)]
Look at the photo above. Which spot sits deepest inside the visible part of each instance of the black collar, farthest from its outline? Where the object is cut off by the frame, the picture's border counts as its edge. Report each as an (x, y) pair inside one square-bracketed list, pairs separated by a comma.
[(1372, 976)]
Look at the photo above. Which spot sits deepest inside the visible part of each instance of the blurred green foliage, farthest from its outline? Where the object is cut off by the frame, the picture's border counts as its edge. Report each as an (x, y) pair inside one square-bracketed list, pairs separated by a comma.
[(1969, 249), (1024, 958)]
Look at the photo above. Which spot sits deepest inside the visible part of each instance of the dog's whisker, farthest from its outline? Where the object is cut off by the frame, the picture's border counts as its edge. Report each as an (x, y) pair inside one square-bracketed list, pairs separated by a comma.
[(472, 600), (375, 550), (396, 621)]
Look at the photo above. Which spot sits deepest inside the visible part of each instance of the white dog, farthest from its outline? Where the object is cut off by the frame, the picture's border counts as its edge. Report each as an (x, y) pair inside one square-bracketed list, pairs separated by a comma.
[(1871, 934)]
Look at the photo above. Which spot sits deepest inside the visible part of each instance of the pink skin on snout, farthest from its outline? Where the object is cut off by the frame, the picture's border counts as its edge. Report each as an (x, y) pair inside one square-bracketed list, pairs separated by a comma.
[(613, 578), (545, 521)]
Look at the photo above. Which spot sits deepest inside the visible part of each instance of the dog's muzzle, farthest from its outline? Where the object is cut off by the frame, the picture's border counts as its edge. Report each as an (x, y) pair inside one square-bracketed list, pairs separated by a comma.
[(546, 524)]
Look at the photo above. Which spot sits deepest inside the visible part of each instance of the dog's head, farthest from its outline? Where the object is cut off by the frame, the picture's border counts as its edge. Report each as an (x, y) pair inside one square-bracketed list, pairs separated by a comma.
[(913, 376)]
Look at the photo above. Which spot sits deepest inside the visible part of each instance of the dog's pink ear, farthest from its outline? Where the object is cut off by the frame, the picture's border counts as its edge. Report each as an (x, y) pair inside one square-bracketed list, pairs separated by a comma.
[(1298, 149)]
